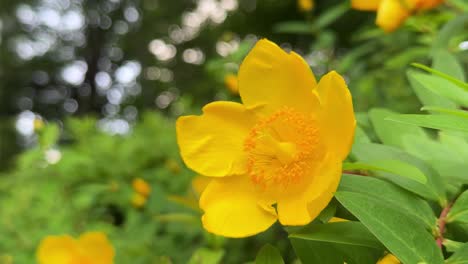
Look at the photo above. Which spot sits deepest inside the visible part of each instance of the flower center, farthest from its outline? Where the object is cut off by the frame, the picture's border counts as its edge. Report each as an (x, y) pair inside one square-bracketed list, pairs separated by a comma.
[(281, 148)]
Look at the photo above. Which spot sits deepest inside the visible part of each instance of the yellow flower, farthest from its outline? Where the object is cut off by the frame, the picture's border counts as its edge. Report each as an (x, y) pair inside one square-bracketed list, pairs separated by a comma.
[(38, 124), (283, 146), (230, 81), (389, 259), (392, 13), (305, 5), (199, 184), (89, 248), (138, 200), (141, 186)]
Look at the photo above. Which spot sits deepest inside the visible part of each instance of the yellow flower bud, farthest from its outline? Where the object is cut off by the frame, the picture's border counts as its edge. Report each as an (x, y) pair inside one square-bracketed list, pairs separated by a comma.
[(138, 200), (141, 186), (305, 5), (230, 81)]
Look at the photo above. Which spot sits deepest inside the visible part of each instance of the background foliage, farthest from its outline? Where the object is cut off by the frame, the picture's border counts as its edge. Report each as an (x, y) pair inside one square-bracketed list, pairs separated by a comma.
[(90, 90)]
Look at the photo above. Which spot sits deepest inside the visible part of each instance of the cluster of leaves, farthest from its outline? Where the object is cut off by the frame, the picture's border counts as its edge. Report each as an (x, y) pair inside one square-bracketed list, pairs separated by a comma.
[(84, 183)]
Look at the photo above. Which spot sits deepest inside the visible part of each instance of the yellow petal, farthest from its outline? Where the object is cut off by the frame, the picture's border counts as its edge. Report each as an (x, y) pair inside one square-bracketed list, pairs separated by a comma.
[(302, 207), (96, 247), (270, 78), (233, 208), (212, 144), (365, 4), (199, 184), (337, 114), (56, 250), (427, 4), (389, 259), (391, 14)]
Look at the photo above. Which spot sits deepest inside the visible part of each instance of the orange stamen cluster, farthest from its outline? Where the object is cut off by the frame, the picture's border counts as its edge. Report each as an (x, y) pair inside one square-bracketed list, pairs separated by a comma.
[(282, 148)]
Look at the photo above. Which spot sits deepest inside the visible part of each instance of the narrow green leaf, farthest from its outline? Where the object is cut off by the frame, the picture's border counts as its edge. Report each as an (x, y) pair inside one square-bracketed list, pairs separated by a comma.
[(442, 122), (447, 63), (269, 254), (459, 211), (392, 166), (442, 157), (426, 96), (391, 194), (310, 251), (294, 27), (447, 77), (331, 15), (432, 190), (388, 132), (437, 109), (460, 256), (449, 30), (452, 246), (443, 88), (402, 235), (348, 233)]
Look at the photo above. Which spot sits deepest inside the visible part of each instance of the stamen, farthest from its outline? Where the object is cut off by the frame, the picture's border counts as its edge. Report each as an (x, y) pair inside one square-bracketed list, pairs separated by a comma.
[(282, 148)]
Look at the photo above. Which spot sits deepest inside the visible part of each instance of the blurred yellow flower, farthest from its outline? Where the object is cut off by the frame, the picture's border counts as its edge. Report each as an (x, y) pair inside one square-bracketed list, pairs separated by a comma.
[(230, 81), (283, 146), (389, 259), (141, 186), (38, 124), (89, 248), (305, 5), (138, 200), (392, 13)]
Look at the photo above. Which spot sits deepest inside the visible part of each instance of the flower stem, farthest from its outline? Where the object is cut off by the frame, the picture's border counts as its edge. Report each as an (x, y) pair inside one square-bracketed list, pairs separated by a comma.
[(441, 221)]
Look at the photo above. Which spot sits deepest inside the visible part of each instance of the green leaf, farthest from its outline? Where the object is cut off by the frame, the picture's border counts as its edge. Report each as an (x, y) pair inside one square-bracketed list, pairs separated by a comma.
[(426, 96), (392, 166), (459, 211), (402, 235), (460, 256), (432, 190), (455, 112), (388, 132), (311, 251), (450, 29), (347, 233), (443, 157), (452, 246), (294, 27), (331, 15), (206, 256), (391, 194), (445, 62), (49, 135), (443, 87), (269, 254), (442, 122), (360, 135)]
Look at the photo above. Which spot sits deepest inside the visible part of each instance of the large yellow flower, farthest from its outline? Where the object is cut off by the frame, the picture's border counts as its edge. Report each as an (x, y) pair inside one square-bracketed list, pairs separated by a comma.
[(392, 13), (89, 248), (283, 146)]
